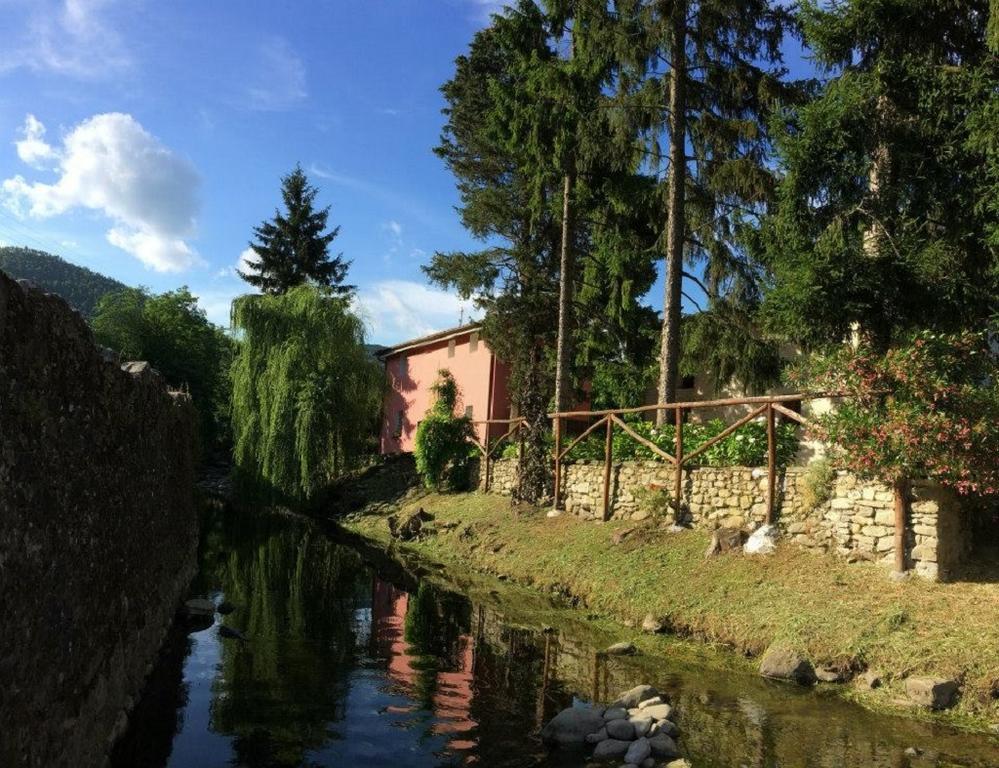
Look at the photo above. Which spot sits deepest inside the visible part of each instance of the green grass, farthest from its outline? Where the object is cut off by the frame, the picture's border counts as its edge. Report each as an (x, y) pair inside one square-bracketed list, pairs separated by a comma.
[(831, 611)]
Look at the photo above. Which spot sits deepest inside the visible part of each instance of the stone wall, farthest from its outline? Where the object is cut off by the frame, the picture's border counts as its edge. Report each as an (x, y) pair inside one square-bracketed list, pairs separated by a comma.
[(98, 531), (857, 520)]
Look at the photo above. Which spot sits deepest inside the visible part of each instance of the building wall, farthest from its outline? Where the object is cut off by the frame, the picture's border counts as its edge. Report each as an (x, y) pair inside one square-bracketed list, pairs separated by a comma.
[(98, 531), (409, 385)]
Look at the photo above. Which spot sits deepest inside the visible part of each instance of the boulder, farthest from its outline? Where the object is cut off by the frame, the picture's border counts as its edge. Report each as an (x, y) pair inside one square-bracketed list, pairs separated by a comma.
[(785, 664), (610, 748), (932, 692), (620, 649), (725, 540), (651, 624), (642, 725), (663, 747), (571, 726), (616, 713), (632, 697), (681, 763), (649, 762), (638, 751), (650, 702), (869, 680), (199, 606), (411, 527), (762, 542), (622, 730), (664, 726), (658, 711)]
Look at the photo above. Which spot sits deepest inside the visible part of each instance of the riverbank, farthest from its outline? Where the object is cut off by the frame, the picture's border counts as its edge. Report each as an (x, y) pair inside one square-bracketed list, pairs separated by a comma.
[(849, 617)]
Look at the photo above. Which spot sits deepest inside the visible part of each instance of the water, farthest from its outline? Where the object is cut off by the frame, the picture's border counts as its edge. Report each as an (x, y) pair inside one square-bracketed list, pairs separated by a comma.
[(355, 659)]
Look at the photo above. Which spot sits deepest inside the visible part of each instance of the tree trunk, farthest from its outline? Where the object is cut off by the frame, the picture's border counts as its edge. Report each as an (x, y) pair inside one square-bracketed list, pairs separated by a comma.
[(669, 353), (535, 477), (563, 356)]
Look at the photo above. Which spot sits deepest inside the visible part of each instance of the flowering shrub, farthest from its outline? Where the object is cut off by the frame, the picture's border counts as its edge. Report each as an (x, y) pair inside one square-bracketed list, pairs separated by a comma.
[(929, 408)]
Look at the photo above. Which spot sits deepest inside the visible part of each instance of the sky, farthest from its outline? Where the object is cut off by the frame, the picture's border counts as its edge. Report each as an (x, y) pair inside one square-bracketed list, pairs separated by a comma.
[(145, 139)]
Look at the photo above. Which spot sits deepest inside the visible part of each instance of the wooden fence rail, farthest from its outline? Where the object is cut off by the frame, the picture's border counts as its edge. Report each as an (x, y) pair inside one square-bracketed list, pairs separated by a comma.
[(487, 448), (766, 406)]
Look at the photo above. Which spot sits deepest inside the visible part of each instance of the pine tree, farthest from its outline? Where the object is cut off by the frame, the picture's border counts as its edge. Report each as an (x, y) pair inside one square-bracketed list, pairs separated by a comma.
[(704, 77), (293, 247), (886, 220)]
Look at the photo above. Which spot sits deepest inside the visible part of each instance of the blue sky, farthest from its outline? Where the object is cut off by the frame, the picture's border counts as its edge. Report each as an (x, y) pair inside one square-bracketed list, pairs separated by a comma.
[(144, 139)]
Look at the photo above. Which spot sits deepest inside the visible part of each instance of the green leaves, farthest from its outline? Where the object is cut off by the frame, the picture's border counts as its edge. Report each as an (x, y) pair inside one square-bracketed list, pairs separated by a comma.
[(443, 439), (305, 393)]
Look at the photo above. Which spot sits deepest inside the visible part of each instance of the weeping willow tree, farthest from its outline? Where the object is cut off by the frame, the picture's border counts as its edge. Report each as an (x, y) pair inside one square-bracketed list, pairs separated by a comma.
[(305, 393)]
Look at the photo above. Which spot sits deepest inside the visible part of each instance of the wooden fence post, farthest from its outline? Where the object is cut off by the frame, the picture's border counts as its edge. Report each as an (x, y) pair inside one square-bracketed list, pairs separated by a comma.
[(608, 451), (678, 469), (771, 463), (901, 489), (558, 462), (487, 462)]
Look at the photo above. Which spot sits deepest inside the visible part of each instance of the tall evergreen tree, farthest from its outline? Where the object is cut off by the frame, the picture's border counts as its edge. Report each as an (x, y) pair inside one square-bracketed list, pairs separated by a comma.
[(703, 75), (886, 219), (293, 247)]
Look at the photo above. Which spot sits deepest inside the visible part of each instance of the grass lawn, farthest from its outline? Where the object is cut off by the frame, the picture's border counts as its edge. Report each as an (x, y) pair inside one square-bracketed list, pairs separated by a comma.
[(833, 612)]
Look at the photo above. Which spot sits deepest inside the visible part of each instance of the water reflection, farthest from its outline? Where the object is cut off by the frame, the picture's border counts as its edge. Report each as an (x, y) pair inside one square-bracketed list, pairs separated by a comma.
[(346, 664)]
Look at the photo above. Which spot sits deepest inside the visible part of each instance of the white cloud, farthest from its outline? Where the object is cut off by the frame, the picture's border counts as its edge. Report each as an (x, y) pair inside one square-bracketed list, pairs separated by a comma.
[(395, 310), (110, 164), (279, 82), (394, 227), (32, 149), (69, 37)]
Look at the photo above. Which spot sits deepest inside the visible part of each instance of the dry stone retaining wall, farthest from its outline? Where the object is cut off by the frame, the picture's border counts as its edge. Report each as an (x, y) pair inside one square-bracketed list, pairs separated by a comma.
[(98, 531), (856, 521)]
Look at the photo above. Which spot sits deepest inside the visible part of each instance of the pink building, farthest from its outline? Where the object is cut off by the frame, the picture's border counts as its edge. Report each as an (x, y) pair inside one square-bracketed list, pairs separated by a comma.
[(411, 369)]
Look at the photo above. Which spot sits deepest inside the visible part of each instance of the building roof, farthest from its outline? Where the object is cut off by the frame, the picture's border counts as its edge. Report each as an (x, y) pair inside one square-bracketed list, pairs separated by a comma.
[(432, 338)]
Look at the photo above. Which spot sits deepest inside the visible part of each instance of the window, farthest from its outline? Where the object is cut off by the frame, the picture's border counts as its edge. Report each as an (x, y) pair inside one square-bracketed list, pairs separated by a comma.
[(450, 348), (473, 341), (400, 417), (403, 366), (468, 412)]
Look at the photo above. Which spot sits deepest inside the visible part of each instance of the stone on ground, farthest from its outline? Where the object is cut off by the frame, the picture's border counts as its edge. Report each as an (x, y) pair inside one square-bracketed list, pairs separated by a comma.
[(651, 624), (615, 713), (869, 680), (762, 542), (681, 763), (597, 737), (932, 692), (650, 702), (831, 675), (642, 725), (571, 726), (725, 540), (785, 664), (664, 726)]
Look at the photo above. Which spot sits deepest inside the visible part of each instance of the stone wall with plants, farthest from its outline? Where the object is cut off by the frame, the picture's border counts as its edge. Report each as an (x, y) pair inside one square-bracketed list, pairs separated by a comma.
[(818, 508), (98, 531)]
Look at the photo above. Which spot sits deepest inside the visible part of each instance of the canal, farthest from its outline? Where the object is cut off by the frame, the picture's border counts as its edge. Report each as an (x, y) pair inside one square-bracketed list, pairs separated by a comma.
[(349, 657)]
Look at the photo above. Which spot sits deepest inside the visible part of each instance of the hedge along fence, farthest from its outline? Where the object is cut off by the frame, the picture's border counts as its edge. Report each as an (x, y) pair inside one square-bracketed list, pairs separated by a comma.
[(692, 444)]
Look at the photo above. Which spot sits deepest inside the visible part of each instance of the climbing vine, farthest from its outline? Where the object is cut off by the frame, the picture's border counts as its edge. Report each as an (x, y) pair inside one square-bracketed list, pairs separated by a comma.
[(443, 439)]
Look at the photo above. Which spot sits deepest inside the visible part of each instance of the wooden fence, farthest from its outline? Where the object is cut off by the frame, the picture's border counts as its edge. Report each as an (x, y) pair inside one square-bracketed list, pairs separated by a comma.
[(487, 448), (766, 406)]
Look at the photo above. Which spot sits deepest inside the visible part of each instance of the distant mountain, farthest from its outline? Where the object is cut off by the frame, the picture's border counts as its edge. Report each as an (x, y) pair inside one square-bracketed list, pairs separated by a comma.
[(80, 287)]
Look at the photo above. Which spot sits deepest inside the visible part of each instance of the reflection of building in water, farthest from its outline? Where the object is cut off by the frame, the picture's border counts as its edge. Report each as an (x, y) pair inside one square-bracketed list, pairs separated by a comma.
[(448, 681)]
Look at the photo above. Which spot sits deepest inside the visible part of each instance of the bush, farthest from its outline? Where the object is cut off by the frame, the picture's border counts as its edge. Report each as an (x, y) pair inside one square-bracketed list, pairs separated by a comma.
[(928, 408), (746, 447), (443, 439), (817, 483)]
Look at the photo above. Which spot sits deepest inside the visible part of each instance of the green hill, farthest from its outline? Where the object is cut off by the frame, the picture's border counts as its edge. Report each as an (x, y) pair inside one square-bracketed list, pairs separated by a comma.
[(79, 286)]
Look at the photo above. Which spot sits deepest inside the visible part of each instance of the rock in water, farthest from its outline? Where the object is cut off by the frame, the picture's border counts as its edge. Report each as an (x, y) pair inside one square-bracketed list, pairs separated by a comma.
[(663, 746), (571, 726), (631, 698), (622, 730), (762, 542), (611, 748), (785, 664), (658, 711), (620, 649), (638, 751), (199, 606), (932, 692), (232, 634)]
